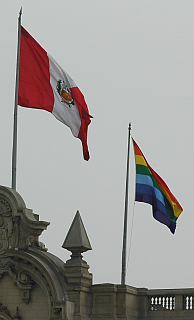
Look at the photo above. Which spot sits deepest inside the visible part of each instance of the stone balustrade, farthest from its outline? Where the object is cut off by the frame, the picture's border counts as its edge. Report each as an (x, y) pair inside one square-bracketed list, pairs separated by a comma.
[(167, 304), (126, 302)]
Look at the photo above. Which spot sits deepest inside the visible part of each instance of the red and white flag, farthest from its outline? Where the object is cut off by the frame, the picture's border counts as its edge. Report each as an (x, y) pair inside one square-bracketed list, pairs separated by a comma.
[(43, 84)]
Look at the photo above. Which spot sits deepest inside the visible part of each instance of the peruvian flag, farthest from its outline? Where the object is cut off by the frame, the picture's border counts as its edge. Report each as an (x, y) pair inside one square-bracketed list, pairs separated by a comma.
[(43, 84)]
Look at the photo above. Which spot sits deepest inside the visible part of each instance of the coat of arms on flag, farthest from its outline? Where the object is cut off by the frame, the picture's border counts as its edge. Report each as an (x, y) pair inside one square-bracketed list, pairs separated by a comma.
[(64, 93)]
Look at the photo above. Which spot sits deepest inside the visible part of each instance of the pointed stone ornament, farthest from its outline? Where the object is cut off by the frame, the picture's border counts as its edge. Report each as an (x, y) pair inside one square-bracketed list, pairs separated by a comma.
[(77, 240)]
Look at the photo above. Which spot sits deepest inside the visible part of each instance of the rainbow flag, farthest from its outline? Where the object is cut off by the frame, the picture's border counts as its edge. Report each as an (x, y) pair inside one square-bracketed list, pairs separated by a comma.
[(150, 188)]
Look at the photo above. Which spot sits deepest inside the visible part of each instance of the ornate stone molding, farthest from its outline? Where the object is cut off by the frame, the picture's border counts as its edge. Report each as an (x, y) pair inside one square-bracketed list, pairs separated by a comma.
[(6, 266), (19, 226), (4, 313), (36, 267), (7, 226), (25, 284), (20, 278), (5, 209)]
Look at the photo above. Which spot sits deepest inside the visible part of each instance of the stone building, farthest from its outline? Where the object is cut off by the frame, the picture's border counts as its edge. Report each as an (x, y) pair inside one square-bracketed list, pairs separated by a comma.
[(35, 284)]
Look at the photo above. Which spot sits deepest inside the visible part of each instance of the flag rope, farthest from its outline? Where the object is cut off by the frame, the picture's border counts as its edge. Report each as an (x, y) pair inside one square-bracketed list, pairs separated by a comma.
[(131, 233)]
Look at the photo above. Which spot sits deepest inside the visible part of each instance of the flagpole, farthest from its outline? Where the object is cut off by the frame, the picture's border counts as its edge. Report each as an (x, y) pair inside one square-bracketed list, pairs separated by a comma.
[(123, 274), (14, 150)]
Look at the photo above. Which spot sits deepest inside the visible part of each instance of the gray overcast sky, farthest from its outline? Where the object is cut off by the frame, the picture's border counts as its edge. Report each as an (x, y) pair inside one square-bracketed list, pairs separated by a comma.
[(134, 61)]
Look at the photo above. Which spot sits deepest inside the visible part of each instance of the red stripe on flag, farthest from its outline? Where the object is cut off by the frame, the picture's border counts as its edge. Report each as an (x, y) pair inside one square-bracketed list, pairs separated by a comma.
[(35, 90), (85, 119)]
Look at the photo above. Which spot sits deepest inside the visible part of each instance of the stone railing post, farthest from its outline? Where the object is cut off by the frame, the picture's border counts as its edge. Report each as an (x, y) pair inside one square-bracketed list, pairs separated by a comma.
[(178, 302)]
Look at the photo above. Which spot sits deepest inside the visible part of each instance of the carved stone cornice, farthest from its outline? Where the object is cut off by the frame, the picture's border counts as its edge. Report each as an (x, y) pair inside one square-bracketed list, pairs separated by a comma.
[(19, 226)]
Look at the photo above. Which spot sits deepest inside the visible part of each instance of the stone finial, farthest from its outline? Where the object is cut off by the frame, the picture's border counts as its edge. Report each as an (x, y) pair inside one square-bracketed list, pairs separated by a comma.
[(17, 316), (77, 240)]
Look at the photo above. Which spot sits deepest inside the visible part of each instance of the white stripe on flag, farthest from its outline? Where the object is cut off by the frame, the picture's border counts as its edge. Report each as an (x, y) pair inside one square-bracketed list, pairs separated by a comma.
[(68, 114)]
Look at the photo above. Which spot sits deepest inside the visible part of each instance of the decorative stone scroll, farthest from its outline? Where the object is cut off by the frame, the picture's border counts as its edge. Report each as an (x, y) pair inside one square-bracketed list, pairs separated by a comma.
[(25, 284), (19, 226)]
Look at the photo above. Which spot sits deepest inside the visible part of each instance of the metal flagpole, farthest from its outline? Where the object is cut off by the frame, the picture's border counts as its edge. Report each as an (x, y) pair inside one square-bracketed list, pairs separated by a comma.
[(14, 150), (123, 274)]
